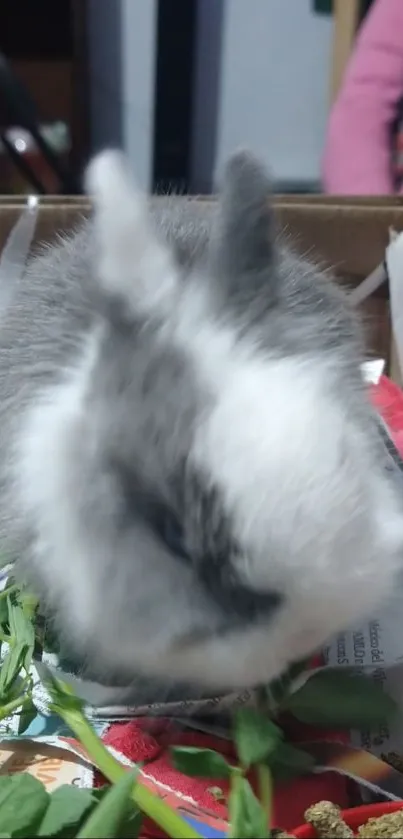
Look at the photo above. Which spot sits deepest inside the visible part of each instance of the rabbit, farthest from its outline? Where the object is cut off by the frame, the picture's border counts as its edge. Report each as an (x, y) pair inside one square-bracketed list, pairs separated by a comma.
[(191, 476)]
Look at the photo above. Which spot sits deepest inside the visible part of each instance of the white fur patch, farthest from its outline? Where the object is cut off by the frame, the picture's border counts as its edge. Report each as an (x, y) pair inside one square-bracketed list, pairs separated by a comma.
[(132, 262), (296, 473), (41, 482)]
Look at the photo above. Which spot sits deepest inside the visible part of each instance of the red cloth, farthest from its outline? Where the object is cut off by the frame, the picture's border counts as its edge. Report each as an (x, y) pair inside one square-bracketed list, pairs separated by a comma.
[(143, 740), (387, 398)]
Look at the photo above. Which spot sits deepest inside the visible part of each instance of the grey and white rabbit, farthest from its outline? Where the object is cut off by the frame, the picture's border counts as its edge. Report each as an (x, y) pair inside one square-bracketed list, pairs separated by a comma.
[(190, 472)]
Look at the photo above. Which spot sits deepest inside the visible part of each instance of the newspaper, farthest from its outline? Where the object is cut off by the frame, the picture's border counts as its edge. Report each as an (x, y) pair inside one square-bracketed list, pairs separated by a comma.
[(376, 647), (51, 760)]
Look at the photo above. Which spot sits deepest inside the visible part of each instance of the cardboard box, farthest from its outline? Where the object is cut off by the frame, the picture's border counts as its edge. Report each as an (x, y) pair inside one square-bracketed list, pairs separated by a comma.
[(348, 235)]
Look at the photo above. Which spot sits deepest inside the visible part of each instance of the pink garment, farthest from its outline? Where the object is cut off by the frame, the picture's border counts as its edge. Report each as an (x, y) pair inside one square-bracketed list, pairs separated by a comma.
[(358, 151)]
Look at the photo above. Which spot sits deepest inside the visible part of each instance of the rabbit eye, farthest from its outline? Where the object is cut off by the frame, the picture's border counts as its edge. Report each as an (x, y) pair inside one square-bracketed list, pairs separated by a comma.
[(174, 537)]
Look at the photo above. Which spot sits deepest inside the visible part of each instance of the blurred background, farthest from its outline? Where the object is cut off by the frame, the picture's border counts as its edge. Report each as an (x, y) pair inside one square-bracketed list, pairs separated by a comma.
[(178, 84)]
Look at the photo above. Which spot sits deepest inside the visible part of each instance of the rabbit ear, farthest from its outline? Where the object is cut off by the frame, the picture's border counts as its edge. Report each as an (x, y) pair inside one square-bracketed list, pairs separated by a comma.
[(132, 263), (244, 241)]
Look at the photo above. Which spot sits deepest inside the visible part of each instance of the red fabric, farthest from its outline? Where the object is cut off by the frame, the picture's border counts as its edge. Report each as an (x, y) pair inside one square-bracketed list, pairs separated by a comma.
[(149, 740), (290, 800), (387, 398)]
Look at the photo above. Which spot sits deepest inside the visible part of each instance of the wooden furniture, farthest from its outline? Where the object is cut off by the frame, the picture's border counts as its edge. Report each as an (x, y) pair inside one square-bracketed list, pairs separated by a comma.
[(346, 17), (350, 234)]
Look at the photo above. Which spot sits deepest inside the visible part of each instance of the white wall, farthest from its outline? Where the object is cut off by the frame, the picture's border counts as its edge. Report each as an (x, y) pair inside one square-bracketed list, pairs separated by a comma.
[(273, 86), (262, 80), (122, 64), (139, 25), (206, 92)]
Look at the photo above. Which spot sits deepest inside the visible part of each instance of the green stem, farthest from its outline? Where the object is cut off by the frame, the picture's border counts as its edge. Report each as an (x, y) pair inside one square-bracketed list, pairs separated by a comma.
[(149, 803), (265, 790), (21, 702), (233, 792)]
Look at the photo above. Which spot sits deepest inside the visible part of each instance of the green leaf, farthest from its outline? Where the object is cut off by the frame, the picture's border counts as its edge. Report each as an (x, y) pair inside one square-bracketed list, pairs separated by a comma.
[(17, 688), (297, 668), (248, 819), (256, 736), (99, 793), (66, 703), (131, 826), (26, 717), (294, 758), (111, 812), (62, 695), (276, 692), (10, 667), (3, 612), (288, 762), (23, 802), (22, 629), (67, 806), (29, 604), (342, 699), (200, 763)]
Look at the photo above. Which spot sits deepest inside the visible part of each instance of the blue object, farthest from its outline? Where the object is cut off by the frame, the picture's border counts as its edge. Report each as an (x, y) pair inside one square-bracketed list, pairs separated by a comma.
[(204, 829)]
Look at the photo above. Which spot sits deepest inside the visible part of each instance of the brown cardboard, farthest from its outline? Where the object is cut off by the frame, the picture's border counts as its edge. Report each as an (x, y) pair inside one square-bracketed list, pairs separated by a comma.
[(349, 235)]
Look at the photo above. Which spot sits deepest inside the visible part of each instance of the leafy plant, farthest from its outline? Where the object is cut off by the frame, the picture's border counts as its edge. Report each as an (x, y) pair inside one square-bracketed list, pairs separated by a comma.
[(67, 807), (107, 818), (27, 809), (248, 817), (69, 708), (334, 698), (200, 763), (256, 738), (23, 802)]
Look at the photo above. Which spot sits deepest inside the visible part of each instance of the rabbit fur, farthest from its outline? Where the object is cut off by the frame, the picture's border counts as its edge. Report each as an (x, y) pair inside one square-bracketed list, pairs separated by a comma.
[(190, 474)]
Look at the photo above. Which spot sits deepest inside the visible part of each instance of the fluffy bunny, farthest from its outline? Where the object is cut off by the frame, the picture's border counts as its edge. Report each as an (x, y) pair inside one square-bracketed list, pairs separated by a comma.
[(190, 473)]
